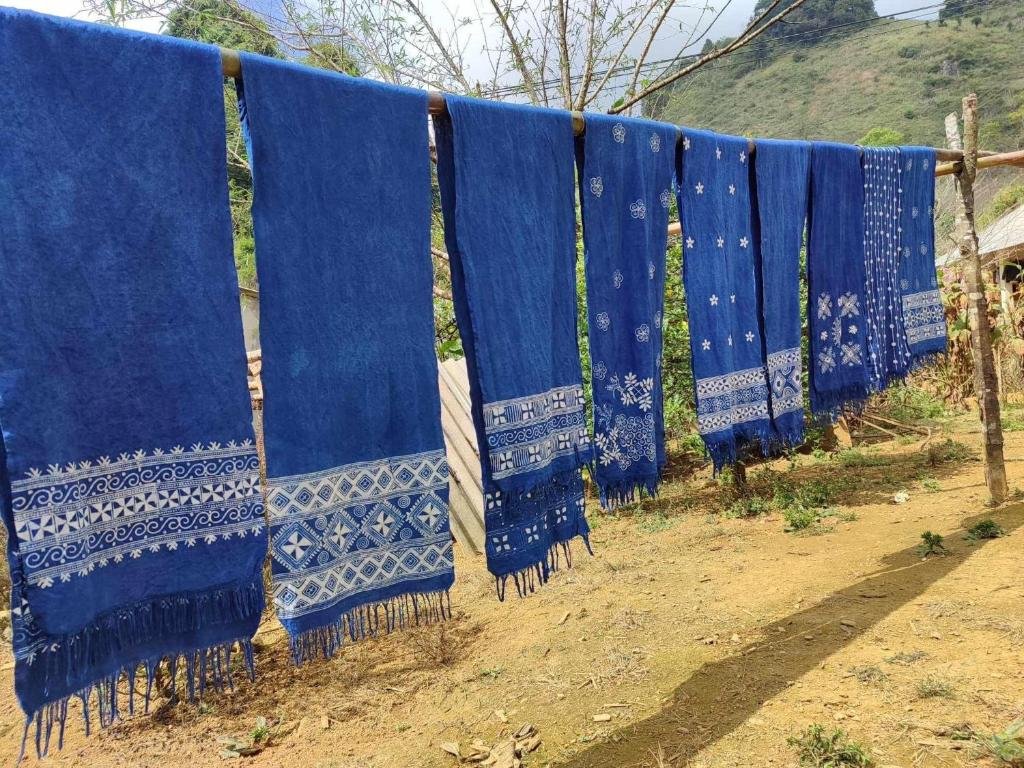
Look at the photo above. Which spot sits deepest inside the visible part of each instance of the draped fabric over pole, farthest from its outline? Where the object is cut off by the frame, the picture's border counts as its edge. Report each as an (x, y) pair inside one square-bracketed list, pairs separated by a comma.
[(923, 315), (782, 179), (357, 489), (507, 189), (888, 355), (626, 169), (726, 339), (130, 483), (836, 279)]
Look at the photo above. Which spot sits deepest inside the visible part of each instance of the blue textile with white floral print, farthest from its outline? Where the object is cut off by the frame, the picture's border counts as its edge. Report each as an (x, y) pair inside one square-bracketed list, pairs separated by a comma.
[(923, 315), (888, 355), (626, 173), (726, 339), (507, 188), (836, 279)]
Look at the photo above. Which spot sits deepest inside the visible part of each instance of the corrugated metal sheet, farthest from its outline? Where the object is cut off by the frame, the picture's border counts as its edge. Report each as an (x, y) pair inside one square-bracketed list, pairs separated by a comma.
[(465, 497)]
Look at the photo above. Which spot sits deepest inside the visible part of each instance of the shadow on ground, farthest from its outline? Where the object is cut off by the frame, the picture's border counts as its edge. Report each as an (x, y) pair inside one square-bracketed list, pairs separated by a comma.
[(721, 695)]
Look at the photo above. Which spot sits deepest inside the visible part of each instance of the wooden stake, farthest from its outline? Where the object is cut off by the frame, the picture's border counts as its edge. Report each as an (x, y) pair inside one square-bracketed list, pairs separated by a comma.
[(985, 379)]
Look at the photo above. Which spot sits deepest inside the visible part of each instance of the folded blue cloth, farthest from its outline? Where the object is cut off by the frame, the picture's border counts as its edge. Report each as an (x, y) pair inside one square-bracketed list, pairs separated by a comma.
[(719, 245), (782, 179), (836, 280), (888, 355), (923, 315), (357, 489), (130, 479), (507, 189), (626, 169)]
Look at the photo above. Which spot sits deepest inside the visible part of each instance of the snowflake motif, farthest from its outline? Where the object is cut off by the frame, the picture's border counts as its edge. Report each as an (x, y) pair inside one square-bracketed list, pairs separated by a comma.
[(732, 189), (718, 153), (914, 212), (849, 306), (600, 371), (824, 306), (633, 390), (714, 300), (728, 340), (619, 133), (643, 333), (617, 278), (700, 188), (749, 337), (689, 242), (744, 242), (596, 186), (655, 142), (686, 143), (638, 210), (743, 157), (666, 198), (603, 321), (823, 335), (705, 345), (851, 355), (826, 361), (720, 242), (852, 330)]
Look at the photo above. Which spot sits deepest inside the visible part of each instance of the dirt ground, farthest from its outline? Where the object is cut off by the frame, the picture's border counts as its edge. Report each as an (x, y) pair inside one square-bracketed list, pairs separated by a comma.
[(689, 639)]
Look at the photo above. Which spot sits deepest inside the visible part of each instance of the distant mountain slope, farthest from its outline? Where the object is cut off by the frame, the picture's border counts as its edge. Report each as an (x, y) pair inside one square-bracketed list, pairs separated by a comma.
[(902, 75)]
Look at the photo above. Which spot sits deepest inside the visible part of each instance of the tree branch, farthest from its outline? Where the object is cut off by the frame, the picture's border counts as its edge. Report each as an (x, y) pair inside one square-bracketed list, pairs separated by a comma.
[(517, 52)]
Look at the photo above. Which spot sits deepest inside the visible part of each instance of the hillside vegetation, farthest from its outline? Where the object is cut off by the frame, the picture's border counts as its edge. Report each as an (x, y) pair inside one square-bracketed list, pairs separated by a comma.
[(905, 76)]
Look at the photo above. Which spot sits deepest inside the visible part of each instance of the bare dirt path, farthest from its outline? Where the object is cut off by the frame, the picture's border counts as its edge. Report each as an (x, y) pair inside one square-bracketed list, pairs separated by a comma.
[(689, 639)]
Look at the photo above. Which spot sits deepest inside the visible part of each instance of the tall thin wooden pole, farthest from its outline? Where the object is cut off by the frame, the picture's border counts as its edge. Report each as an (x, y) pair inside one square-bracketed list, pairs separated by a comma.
[(985, 379)]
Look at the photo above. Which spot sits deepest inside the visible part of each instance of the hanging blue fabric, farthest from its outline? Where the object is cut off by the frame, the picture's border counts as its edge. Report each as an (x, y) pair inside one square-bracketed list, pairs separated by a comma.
[(836, 277), (130, 480), (507, 186), (719, 245), (888, 355), (357, 489), (626, 167), (923, 315), (782, 178)]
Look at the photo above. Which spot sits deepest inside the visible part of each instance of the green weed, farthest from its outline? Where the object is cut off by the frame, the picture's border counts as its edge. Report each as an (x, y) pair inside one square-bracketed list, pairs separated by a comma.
[(985, 529), (1006, 746), (931, 544), (753, 506), (950, 451), (821, 748), (932, 687), (799, 518)]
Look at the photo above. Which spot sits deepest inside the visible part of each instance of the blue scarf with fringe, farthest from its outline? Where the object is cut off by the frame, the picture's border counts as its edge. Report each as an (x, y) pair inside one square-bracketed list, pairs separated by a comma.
[(888, 355), (782, 177), (626, 169), (130, 480), (719, 245), (836, 278), (507, 187), (923, 314), (357, 489)]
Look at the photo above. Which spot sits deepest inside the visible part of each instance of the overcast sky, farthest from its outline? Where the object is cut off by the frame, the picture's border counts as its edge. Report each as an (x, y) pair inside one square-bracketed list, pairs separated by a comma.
[(732, 21)]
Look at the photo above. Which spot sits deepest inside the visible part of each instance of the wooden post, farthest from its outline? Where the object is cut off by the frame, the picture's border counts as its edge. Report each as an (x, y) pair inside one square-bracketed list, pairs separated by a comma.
[(985, 379)]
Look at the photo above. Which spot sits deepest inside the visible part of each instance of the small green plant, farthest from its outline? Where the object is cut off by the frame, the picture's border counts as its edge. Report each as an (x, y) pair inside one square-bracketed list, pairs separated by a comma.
[(931, 485), (492, 672), (985, 529), (260, 733), (931, 544), (949, 452), (822, 748), (753, 506), (852, 458), (1007, 746), (260, 737), (799, 518), (933, 687), (653, 522)]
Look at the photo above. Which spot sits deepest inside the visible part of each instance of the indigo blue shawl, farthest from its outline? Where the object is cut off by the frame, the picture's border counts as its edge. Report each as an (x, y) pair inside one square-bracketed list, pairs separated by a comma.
[(782, 177), (357, 489), (626, 169), (923, 315), (836, 277), (130, 482), (507, 186), (888, 355), (719, 244)]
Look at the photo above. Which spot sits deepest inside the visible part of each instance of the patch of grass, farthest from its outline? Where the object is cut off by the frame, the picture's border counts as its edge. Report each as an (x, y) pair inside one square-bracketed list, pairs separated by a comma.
[(931, 544), (1006, 746), (753, 506), (984, 529), (869, 674), (1013, 424), (799, 518), (933, 687), (653, 522), (853, 458), (906, 658), (931, 485), (823, 748), (950, 451)]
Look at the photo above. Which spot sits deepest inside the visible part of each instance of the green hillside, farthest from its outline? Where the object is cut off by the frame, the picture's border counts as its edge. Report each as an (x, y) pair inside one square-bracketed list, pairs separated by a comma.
[(905, 75)]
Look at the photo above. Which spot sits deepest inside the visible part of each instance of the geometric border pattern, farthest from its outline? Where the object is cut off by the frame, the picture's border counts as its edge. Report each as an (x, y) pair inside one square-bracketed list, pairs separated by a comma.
[(71, 519), (735, 398), (924, 317), (357, 528), (784, 368), (528, 433)]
